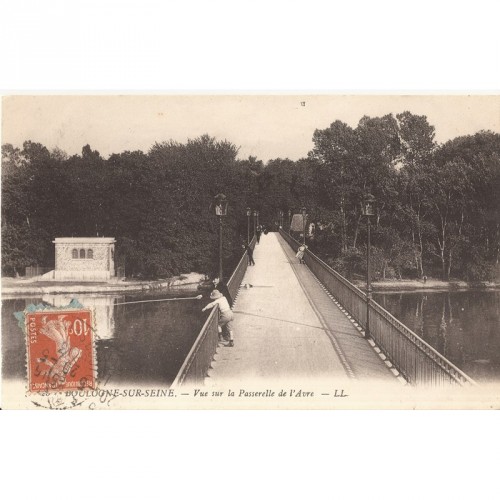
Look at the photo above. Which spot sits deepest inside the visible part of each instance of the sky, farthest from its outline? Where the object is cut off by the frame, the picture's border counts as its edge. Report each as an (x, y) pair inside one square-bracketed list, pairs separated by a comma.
[(265, 126)]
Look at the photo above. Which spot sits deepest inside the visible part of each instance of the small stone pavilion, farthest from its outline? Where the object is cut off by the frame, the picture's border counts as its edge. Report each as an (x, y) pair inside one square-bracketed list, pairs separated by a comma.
[(84, 259)]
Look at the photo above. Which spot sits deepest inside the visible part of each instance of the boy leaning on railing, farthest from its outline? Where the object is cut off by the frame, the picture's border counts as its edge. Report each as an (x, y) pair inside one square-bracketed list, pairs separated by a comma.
[(225, 316)]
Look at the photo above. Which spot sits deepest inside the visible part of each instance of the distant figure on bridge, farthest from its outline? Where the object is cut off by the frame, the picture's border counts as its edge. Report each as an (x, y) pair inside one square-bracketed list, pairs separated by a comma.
[(225, 316), (300, 253), (249, 251), (258, 232)]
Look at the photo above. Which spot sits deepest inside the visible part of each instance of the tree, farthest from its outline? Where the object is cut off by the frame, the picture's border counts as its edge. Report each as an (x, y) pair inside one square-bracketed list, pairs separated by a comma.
[(30, 206), (417, 147), (462, 190), (449, 191), (335, 153), (379, 152)]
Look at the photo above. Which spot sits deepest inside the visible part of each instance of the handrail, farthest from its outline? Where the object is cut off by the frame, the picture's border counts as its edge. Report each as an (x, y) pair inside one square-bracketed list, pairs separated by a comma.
[(236, 278), (415, 359), (191, 370), (200, 356)]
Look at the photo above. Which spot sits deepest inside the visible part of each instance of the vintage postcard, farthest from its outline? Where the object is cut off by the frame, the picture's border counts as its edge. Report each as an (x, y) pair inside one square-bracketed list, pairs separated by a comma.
[(250, 251)]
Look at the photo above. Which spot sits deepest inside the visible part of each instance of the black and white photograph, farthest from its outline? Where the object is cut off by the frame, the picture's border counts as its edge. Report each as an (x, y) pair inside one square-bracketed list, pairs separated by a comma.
[(250, 251)]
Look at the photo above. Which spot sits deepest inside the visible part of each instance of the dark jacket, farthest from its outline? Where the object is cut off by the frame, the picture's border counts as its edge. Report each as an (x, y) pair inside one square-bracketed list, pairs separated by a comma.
[(249, 250)]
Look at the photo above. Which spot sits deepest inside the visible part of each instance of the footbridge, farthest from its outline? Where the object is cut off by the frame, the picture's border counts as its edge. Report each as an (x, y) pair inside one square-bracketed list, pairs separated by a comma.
[(306, 321)]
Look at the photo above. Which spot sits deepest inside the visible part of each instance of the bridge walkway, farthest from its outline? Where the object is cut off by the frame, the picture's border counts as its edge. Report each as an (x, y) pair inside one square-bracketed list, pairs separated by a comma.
[(288, 328)]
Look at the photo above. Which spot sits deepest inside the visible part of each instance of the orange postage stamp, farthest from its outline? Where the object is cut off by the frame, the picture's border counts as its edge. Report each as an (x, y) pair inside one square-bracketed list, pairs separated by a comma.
[(60, 350)]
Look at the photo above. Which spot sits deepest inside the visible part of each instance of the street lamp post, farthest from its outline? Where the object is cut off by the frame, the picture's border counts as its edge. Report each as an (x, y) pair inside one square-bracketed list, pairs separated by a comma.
[(220, 211), (289, 220), (254, 222), (257, 217), (280, 223), (304, 215), (249, 213), (368, 212)]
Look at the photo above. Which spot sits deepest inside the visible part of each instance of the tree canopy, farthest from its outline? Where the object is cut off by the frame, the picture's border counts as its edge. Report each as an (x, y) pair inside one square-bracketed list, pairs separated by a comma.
[(437, 210)]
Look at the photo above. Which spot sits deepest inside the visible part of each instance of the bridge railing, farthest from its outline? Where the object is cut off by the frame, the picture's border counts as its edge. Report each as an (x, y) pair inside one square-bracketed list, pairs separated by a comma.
[(415, 359), (195, 367), (236, 278)]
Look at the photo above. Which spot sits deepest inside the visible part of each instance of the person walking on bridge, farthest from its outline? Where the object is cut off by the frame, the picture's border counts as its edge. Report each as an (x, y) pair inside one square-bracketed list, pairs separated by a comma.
[(300, 253), (225, 315), (249, 251), (258, 233)]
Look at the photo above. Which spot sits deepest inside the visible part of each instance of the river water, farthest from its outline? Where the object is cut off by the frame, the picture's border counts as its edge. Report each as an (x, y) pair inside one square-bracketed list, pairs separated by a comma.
[(143, 343), (146, 343), (464, 326)]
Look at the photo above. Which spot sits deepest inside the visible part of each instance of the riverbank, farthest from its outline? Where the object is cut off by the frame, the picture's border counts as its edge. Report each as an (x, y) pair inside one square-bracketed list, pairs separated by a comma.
[(22, 286), (430, 284), (12, 287)]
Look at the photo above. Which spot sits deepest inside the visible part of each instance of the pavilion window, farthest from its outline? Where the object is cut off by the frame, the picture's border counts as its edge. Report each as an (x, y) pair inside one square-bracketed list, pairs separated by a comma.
[(82, 253), (74, 253), (90, 254)]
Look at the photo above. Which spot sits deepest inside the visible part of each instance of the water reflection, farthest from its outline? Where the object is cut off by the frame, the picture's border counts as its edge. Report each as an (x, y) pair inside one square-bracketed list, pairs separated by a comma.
[(135, 343), (464, 326), (103, 307)]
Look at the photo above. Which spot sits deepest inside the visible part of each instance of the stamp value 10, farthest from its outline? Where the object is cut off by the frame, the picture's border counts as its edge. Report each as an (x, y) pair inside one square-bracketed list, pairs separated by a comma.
[(60, 350)]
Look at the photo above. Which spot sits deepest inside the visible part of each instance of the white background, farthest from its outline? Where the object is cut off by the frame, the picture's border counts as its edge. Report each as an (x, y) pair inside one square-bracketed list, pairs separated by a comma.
[(124, 46)]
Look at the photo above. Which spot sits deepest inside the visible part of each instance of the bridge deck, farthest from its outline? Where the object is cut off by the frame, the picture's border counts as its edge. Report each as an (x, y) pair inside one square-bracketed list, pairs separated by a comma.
[(288, 328)]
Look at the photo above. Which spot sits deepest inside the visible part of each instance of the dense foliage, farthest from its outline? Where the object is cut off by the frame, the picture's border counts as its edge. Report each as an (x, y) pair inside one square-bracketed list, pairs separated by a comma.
[(158, 205), (437, 211)]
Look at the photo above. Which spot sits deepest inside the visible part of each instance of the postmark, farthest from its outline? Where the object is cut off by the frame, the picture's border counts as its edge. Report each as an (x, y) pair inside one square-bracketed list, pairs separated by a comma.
[(60, 349)]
